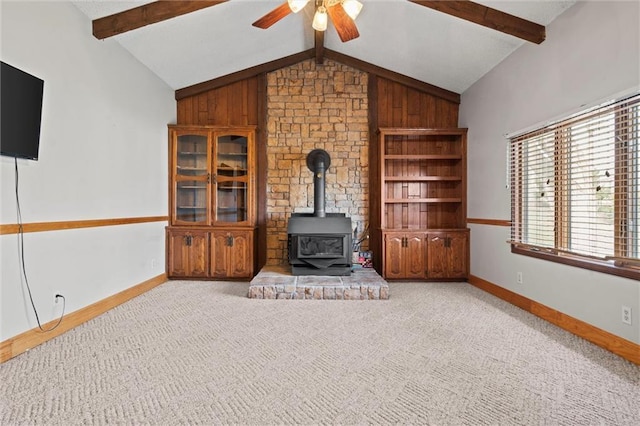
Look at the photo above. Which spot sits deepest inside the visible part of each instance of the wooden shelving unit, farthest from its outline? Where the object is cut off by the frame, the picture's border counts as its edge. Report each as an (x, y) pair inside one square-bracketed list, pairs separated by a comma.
[(212, 202), (422, 232)]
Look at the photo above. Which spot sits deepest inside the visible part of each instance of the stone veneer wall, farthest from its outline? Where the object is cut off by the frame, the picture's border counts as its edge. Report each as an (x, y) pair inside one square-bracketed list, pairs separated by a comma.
[(314, 106)]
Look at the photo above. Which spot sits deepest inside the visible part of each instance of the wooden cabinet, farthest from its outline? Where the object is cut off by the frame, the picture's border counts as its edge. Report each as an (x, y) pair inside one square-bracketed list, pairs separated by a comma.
[(232, 254), (447, 254), (404, 255), (422, 192), (217, 254), (211, 195), (212, 173), (189, 253)]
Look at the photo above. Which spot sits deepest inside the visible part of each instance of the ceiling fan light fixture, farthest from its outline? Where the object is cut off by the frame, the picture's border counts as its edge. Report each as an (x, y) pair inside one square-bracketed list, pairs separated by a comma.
[(320, 19), (297, 5), (352, 8)]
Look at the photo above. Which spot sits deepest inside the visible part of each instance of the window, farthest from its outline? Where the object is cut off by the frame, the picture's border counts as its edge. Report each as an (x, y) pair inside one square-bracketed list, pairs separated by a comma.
[(575, 190)]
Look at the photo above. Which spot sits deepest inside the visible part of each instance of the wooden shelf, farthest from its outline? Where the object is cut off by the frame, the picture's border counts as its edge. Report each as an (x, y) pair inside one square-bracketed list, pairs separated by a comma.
[(228, 188), (413, 157), (423, 200), (231, 169), (422, 178), (201, 169)]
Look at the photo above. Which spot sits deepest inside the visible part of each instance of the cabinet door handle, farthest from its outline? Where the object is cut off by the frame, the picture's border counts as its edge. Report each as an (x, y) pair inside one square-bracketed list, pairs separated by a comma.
[(230, 241), (187, 240)]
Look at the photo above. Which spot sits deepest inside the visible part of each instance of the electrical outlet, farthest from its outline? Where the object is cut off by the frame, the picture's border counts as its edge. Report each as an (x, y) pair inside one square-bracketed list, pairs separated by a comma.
[(519, 278), (626, 315)]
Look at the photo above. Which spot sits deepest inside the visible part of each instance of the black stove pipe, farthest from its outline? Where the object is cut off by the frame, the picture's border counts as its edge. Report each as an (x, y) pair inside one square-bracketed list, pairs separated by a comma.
[(318, 190), (318, 161)]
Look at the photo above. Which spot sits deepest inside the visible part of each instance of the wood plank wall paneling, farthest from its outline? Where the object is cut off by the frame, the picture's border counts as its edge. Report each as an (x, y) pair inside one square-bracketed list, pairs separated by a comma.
[(393, 104), (401, 106), (233, 105), (261, 174), (374, 172)]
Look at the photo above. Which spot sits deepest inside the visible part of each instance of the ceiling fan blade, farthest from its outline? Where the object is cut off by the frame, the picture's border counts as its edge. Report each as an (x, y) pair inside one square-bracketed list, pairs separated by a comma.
[(345, 26), (274, 16)]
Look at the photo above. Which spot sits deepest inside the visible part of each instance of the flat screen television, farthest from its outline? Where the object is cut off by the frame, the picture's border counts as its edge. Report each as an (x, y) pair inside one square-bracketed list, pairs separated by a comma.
[(20, 112)]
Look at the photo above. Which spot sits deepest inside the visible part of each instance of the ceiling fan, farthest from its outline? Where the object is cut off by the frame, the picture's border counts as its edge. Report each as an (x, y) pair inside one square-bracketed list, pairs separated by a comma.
[(342, 13)]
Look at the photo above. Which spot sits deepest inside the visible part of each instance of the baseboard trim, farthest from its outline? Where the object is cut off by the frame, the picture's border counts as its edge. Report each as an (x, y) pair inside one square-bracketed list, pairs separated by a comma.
[(615, 344), (31, 338), (619, 346)]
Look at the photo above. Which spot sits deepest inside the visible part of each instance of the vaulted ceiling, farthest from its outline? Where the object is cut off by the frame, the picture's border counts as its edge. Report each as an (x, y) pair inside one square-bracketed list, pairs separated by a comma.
[(405, 37)]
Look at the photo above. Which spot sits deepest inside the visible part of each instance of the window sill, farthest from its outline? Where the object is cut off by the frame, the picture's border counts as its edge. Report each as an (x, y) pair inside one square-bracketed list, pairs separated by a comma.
[(603, 266)]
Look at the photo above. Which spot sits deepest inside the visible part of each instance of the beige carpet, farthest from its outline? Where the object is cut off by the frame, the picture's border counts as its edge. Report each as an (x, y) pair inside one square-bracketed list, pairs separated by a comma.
[(203, 353)]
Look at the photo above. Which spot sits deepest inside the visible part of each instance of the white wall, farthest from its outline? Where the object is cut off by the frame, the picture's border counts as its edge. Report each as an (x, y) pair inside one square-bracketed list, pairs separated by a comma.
[(103, 155), (591, 53)]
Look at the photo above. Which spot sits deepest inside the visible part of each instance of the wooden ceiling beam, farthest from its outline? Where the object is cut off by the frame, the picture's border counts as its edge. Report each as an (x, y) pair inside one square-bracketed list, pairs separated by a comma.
[(490, 18), (144, 15)]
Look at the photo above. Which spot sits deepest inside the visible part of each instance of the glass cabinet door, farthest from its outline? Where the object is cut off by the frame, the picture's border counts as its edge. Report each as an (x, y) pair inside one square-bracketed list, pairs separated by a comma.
[(191, 179), (191, 201), (231, 166)]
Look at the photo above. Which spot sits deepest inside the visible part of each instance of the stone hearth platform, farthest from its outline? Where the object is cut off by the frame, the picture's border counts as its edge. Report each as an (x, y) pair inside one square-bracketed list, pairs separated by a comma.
[(277, 282)]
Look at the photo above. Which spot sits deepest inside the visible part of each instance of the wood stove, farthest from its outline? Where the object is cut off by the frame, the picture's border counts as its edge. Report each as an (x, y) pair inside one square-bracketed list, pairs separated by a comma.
[(319, 242)]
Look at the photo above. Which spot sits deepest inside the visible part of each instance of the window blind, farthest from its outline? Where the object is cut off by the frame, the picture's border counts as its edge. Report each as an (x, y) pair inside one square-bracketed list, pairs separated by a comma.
[(575, 184)]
